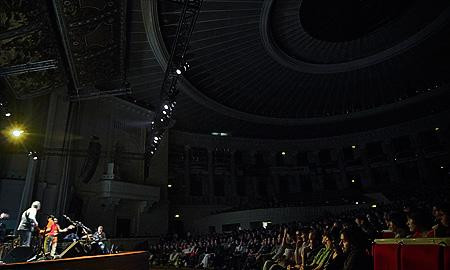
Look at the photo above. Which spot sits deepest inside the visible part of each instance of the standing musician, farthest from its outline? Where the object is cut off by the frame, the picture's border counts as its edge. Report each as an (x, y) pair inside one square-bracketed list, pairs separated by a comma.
[(48, 228), (53, 235), (28, 223)]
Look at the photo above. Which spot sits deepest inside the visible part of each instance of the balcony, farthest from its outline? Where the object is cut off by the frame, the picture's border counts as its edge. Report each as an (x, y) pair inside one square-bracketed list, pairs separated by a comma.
[(129, 191)]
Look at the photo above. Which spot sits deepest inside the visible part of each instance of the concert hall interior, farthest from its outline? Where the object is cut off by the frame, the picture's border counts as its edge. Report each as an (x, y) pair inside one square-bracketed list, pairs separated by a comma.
[(225, 134)]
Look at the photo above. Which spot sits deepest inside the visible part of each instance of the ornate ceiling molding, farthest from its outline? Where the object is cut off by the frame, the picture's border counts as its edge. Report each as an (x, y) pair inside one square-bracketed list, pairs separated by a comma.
[(302, 66)]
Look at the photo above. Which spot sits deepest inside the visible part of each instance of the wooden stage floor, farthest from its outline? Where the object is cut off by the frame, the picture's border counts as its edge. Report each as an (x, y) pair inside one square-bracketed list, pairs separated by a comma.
[(137, 260)]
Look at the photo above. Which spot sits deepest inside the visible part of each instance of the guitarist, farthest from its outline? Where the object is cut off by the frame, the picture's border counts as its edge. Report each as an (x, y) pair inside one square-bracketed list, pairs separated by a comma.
[(53, 235), (28, 223), (48, 228)]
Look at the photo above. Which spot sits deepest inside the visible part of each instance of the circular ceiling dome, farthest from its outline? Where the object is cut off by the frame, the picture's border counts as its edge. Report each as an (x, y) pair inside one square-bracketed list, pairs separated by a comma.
[(337, 21), (388, 54)]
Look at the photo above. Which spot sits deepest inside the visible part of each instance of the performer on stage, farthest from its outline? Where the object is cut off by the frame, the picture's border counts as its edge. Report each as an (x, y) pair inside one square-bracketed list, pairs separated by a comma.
[(3, 218), (48, 228), (28, 223), (99, 237), (53, 235)]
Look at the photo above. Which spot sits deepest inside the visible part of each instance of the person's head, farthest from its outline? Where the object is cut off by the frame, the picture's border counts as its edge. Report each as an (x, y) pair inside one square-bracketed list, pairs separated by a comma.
[(50, 218), (55, 220), (326, 240), (359, 220), (418, 221), (100, 229), (351, 238), (4, 216), (397, 221), (36, 204)]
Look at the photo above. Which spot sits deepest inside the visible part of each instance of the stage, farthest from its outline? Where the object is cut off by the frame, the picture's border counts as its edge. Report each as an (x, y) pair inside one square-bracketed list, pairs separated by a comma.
[(136, 260)]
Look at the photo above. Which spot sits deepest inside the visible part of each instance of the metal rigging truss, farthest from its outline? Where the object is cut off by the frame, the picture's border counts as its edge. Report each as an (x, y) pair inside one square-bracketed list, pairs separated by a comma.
[(176, 65)]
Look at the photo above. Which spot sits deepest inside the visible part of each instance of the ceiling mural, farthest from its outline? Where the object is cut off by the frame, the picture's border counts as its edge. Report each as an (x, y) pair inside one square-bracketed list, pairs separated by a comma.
[(94, 38), (27, 37)]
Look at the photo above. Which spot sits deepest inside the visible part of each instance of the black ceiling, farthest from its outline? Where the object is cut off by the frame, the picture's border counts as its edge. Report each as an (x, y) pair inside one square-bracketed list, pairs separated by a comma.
[(281, 68), (293, 69)]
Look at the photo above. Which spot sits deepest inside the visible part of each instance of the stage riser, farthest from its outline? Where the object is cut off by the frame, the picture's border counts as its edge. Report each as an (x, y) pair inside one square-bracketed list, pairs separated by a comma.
[(122, 261)]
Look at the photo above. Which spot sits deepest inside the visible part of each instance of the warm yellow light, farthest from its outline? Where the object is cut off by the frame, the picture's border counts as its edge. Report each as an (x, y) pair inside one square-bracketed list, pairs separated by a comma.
[(17, 132)]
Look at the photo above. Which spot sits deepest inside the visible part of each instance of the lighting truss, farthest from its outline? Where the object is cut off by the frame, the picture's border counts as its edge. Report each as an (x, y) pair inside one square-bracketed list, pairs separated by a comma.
[(176, 65)]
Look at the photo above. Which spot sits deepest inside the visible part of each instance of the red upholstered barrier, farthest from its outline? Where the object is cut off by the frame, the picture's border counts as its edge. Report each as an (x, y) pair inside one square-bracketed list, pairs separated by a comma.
[(388, 234), (446, 258), (420, 257), (386, 257)]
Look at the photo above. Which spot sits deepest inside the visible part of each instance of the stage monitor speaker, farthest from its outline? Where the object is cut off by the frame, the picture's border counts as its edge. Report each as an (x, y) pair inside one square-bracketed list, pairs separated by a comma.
[(19, 254), (76, 249)]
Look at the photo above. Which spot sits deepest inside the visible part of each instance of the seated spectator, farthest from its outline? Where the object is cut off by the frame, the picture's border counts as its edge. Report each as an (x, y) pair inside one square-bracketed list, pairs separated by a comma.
[(310, 251), (322, 256), (397, 224), (419, 225), (336, 260), (353, 246), (442, 228)]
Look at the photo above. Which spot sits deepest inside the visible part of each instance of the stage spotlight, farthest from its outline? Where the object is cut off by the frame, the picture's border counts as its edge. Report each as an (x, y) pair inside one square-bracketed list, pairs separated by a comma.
[(178, 71), (353, 180), (7, 114), (283, 153), (353, 146), (169, 185), (35, 157), (177, 216), (164, 112), (17, 132), (356, 203), (166, 107)]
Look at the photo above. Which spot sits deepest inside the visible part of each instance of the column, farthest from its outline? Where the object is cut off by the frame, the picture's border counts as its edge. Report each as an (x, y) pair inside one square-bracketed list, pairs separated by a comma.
[(28, 187)]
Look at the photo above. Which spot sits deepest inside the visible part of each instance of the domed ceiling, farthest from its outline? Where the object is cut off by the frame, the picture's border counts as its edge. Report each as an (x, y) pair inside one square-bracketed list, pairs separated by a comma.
[(309, 68)]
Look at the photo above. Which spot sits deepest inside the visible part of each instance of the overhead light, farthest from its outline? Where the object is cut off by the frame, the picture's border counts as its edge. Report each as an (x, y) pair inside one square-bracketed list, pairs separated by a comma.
[(353, 180), (442, 167), (35, 157), (7, 114), (166, 106), (353, 146), (374, 206), (156, 138), (178, 71), (436, 129), (177, 215), (283, 153), (17, 132), (356, 203), (215, 133), (169, 185), (223, 134)]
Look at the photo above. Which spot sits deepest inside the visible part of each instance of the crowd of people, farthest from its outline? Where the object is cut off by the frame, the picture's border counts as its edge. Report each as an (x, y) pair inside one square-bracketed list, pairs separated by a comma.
[(332, 242)]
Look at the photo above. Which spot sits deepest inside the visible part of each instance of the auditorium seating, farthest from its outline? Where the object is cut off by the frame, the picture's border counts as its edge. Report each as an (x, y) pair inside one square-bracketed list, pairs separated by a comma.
[(412, 254)]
